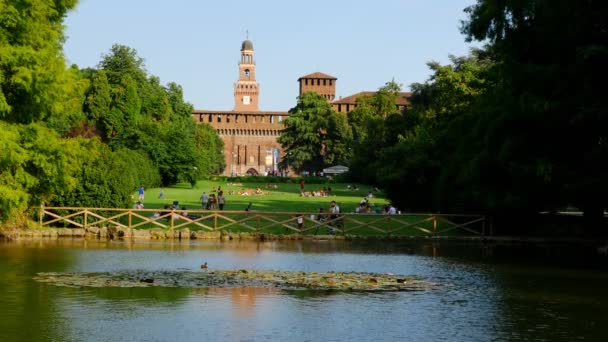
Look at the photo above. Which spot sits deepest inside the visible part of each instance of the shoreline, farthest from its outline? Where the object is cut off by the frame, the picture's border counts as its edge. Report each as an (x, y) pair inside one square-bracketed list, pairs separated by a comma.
[(113, 233)]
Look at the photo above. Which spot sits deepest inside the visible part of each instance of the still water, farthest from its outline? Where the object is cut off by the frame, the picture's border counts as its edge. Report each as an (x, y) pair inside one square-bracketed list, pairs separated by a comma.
[(481, 298)]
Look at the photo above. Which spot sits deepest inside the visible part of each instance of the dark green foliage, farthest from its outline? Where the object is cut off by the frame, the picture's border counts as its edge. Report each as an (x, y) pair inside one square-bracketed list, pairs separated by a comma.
[(314, 136), (546, 120), (376, 124), (512, 130)]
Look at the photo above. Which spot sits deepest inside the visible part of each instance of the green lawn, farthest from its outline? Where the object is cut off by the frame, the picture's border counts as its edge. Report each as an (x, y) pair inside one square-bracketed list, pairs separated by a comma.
[(286, 198)]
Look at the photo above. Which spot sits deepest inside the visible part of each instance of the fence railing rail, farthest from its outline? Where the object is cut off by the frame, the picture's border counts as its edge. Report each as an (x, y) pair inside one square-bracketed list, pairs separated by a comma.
[(271, 222)]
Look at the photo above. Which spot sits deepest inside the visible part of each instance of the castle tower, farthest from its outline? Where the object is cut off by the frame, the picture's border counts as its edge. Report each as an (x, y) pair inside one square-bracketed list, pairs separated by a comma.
[(246, 89), (322, 84)]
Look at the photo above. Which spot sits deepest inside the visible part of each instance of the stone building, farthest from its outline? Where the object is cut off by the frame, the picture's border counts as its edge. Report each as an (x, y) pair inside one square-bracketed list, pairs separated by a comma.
[(249, 134), (322, 84), (347, 104)]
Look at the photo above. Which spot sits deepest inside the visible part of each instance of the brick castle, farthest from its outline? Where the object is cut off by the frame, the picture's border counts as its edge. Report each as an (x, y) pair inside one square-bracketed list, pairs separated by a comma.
[(249, 134)]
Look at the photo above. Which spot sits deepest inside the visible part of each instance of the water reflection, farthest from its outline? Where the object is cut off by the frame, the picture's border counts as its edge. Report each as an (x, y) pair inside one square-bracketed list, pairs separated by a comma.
[(484, 296)]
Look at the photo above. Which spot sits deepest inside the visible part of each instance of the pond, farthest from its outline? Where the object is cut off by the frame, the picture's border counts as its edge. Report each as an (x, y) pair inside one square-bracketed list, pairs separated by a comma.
[(481, 295)]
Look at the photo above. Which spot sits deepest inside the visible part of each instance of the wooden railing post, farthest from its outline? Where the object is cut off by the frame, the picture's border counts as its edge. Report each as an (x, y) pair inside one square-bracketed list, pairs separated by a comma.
[(172, 219), (434, 224), (215, 220), (41, 213), (86, 212), (130, 218)]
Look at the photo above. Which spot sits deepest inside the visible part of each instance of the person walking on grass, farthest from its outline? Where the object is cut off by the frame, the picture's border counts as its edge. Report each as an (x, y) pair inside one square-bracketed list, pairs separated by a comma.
[(204, 200), (141, 193), (221, 200)]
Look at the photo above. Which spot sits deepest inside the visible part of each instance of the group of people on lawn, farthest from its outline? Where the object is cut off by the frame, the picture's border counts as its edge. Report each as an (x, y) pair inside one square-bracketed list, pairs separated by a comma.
[(211, 202)]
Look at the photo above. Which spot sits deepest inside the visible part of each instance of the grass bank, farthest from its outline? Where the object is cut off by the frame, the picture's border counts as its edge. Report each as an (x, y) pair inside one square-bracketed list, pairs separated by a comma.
[(285, 197)]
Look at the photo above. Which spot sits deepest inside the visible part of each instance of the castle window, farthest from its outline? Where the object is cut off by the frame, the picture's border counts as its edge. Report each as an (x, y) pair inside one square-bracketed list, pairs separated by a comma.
[(318, 81), (272, 119), (306, 81), (324, 82), (219, 118), (210, 118), (331, 82)]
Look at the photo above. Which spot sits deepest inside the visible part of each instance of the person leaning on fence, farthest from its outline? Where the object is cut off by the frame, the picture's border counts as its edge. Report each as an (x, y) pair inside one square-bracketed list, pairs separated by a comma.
[(334, 210)]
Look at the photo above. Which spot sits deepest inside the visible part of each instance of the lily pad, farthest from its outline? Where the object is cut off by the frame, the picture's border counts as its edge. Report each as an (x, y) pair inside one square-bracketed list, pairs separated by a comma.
[(341, 281)]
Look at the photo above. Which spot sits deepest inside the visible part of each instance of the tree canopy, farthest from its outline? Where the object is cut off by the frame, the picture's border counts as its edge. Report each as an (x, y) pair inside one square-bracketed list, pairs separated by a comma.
[(90, 136), (314, 136)]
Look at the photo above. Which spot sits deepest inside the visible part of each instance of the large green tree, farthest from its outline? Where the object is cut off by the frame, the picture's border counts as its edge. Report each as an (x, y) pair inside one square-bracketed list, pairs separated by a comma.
[(314, 136), (421, 170), (34, 81), (376, 123), (544, 123), (134, 111)]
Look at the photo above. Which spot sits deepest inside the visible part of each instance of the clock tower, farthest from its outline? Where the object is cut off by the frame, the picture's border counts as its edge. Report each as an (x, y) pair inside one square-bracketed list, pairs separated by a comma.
[(246, 89)]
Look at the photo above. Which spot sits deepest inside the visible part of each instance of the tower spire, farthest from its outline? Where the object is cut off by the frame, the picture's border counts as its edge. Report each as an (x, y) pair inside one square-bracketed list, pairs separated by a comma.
[(246, 89)]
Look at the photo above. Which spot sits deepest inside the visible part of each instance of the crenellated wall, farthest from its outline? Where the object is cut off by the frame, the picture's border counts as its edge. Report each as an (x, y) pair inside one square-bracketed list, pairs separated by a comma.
[(250, 138)]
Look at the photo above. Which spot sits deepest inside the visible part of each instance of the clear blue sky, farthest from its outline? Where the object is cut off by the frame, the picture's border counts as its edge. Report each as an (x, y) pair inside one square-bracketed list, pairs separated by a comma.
[(197, 43)]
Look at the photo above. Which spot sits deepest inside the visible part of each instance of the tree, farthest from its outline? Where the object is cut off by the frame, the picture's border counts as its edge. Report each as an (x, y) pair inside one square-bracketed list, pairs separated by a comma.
[(550, 74), (314, 135), (423, 168), (145, 116), (34, 81), (372, 134), (210, 148)]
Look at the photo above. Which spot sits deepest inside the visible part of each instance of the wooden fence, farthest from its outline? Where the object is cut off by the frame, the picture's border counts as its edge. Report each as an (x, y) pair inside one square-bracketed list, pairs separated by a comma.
[(266, 222)]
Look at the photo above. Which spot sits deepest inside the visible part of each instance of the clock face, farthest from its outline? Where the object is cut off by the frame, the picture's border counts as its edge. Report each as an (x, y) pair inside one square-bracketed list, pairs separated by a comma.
[(246, 100)]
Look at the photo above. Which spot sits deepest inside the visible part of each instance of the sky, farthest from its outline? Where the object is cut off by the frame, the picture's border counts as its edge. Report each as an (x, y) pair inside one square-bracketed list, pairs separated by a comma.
[(197, 43)]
